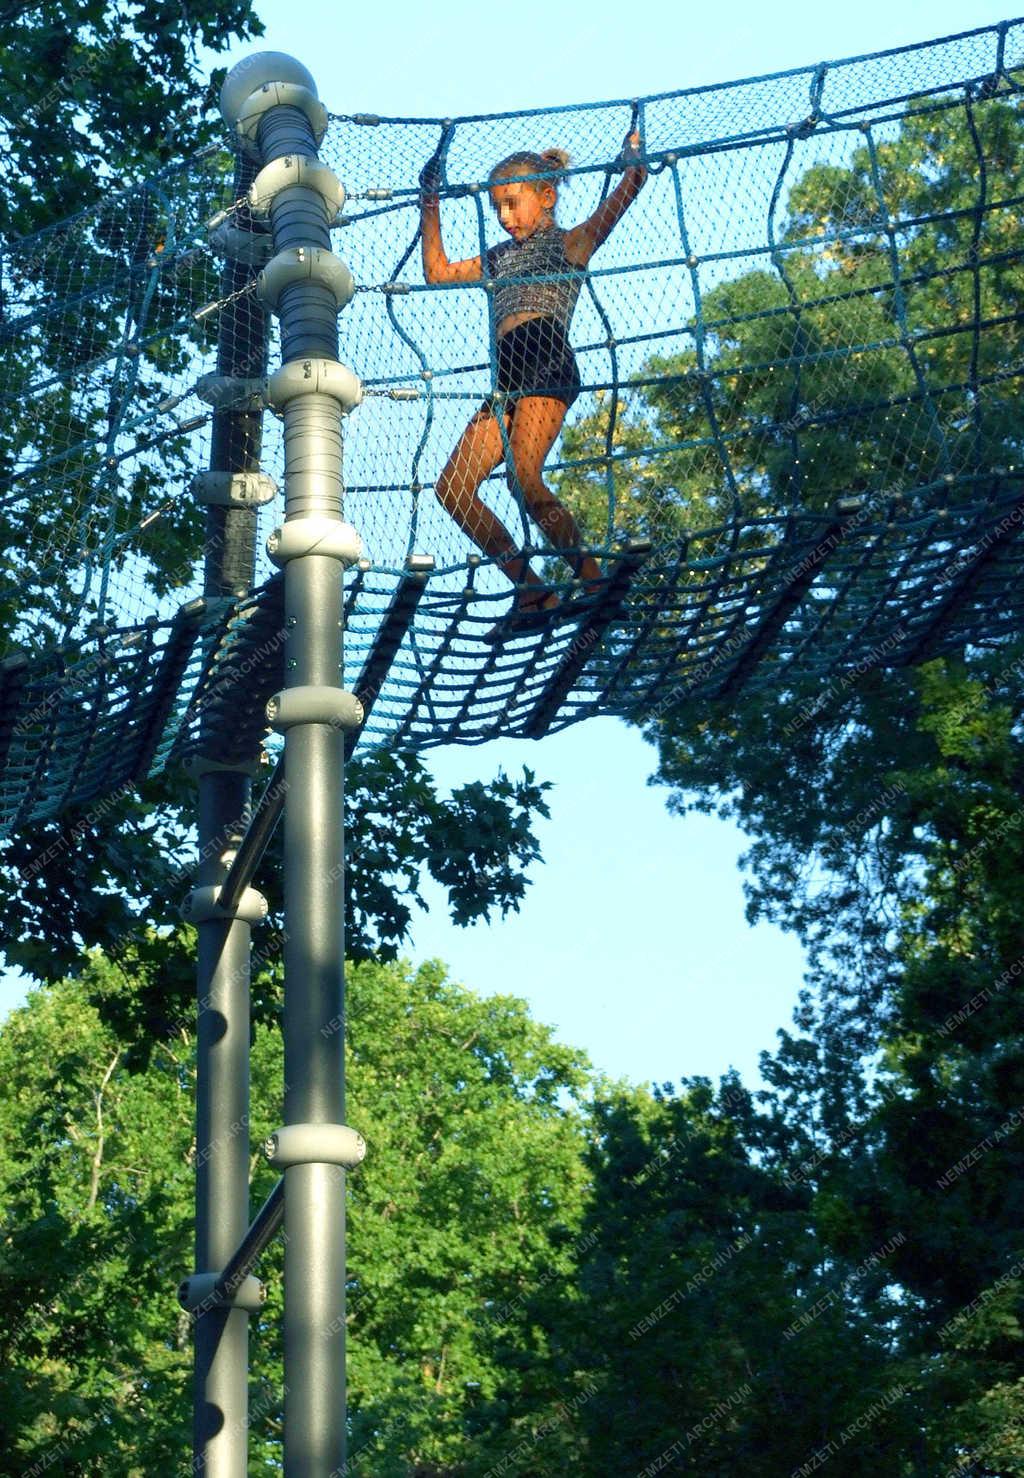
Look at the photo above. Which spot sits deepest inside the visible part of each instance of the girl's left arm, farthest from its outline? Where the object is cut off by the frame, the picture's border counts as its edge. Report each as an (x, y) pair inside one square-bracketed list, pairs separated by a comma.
[(583, 240)]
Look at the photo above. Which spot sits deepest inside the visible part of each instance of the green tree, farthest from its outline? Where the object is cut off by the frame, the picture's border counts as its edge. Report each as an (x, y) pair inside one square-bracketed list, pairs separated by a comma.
[(114, 876), (471, 1193), (96, 93), (717, 1332), (884, 807), (855, 362)]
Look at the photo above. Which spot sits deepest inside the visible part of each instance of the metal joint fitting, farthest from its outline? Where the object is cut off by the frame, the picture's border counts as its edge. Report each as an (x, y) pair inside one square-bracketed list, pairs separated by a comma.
[(315, 1144), (195, 1294), (234, 489), (315, 377), (203, 904), (249, 75), (251, 248), (278, 95), (335, 707), (198, 765), (313, 535), (290, 171), (305, 264), (232, 392)]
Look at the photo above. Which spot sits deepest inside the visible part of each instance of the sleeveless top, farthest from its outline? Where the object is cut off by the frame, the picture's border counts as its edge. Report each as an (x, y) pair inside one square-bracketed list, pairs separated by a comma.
[(516, 267)]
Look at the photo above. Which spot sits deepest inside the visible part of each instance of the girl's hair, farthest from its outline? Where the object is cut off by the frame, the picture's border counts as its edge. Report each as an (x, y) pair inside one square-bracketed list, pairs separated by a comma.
[(527, 162)]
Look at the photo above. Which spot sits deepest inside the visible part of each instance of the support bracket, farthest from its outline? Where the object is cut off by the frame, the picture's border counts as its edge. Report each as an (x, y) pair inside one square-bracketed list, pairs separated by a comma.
[(305, 264), (315, 1144), (314, 535), (251, 248), (196, 1294), (315, 377), (232, 392), (278, 95), (198, 765), (234, 489), (203, 904), (312, 705), (288, 172)]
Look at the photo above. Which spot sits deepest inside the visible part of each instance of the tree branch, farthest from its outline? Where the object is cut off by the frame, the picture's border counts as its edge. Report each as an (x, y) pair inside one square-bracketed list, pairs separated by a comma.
[(97, 1159)]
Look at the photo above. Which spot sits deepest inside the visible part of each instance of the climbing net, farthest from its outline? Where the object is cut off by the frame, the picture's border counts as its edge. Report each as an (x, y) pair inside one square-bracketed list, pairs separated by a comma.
[(796, 451)]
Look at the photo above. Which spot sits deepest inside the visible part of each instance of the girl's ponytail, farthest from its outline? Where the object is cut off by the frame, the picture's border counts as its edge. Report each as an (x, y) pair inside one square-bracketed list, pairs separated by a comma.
[(555, 158), (551, 161)]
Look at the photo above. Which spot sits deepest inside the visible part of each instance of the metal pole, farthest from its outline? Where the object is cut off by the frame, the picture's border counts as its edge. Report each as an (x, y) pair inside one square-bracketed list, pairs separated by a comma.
[(220, 1426), (265, 1226), (262, 824), (306, 285), (222, 1147)]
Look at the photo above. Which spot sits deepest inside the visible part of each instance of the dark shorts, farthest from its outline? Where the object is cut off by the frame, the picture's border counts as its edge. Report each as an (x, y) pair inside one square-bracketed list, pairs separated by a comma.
[(536, 358)]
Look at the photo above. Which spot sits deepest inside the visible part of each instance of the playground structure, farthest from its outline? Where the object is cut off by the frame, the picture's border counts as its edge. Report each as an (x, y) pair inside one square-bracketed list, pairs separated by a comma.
[(797, 457)]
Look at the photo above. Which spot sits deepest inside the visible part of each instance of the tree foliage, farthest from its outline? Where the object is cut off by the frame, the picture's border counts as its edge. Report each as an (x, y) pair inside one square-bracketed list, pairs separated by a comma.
[(884, 808), (808, 370), (472, 1192), (94, 93)]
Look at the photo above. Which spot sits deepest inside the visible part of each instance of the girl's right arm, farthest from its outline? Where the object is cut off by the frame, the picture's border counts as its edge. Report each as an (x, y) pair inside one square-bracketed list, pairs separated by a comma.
[(583, 240), (436, 266)]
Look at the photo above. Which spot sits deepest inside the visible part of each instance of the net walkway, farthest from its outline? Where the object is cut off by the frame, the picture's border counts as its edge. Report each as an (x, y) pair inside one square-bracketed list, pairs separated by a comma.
[(797, 452)]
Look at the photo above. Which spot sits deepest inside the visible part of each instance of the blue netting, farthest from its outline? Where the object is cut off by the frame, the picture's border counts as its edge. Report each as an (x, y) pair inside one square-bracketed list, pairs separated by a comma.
[(800, 351)]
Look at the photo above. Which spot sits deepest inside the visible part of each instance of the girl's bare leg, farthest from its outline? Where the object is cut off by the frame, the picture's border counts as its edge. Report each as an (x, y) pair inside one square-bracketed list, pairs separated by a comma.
[(535, 425), (479, 450)]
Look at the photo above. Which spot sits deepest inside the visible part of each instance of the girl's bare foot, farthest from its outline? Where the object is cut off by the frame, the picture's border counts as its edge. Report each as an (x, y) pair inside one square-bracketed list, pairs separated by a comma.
[(588, 574), (530, 611), (532, 599)]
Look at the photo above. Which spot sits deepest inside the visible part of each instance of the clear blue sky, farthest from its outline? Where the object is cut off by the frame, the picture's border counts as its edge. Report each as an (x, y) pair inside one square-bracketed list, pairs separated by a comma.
[(632, 941)]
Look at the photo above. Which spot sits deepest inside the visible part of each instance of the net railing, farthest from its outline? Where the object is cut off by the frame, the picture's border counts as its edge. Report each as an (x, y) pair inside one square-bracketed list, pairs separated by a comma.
[(797, 448)]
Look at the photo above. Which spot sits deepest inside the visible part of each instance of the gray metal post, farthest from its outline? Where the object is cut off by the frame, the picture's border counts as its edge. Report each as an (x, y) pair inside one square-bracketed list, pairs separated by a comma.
[(229, 490), (222, 1145), (306, 285)]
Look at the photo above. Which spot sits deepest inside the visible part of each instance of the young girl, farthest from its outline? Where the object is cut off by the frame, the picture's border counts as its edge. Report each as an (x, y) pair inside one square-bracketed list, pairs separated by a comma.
[(537, 376)]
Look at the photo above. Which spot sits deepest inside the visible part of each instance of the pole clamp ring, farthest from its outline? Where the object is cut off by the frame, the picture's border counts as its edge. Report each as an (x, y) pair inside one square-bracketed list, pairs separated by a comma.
[(335, 707), (315, 377), (234, 489), (198, 765), (278, 95), (305, 264), (232, 392), (329, 536), (315, 1144), (251, 248), (195, 1293), (288, 173), (203, 904)]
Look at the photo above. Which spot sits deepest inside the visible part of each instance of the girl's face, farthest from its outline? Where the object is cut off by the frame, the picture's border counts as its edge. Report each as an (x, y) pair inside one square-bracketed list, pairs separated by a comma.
[(522, 205)]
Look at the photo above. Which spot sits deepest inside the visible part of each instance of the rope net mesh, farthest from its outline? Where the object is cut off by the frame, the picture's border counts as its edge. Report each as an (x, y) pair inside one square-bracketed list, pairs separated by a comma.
[(795, 451)]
